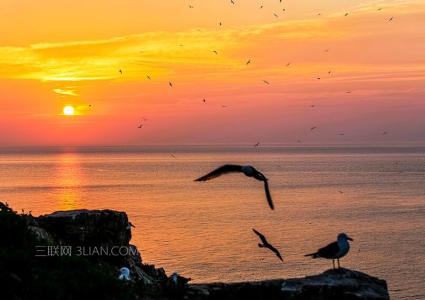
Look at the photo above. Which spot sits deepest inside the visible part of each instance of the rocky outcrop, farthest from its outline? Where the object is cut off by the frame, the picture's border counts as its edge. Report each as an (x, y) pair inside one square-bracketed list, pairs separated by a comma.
[(338, 284), (107, 229)]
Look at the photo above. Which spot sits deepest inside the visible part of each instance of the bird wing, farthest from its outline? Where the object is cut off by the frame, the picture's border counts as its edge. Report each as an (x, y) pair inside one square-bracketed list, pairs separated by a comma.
[(275, 251), (220, 171), (329, 251), (261, 236), (268, 196)]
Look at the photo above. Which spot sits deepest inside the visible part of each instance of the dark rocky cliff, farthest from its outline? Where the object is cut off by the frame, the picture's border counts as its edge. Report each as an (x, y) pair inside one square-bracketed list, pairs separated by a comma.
[(71, 275)]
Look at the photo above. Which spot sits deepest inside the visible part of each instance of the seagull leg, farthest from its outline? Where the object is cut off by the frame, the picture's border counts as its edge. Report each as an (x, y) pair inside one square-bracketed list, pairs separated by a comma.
[(333, 263), (338, 263)]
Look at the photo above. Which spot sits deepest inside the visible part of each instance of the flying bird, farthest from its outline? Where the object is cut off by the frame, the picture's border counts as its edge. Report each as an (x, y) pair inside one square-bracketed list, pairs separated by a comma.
[(204, 100), (288, 64), (384, 133), (140, 126), (120, 71), (335, 250), (170, 83), (148, 77), (390, 19), (265, 244), (276, 15), (215, 51), (266, 82), (257, 144), (248, 62), (346, 14), (314, 127), (249, 171), (190, 6)]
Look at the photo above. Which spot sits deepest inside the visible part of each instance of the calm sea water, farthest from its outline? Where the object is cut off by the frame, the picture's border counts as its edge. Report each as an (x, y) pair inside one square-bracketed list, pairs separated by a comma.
[(203, 230)]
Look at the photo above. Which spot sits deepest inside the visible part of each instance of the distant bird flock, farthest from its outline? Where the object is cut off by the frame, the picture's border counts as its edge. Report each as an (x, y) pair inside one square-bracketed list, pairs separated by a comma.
[(335, 250)]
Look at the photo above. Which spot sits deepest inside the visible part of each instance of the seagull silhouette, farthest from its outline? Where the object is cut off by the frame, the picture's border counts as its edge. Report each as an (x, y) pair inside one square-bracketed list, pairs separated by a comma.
[(266, 82), (120, 71), (170, 83), (334, 250), (265, 244), (249, 171), (314, 127), (148, 77), (248, 62), (215, 51), (257, 144)]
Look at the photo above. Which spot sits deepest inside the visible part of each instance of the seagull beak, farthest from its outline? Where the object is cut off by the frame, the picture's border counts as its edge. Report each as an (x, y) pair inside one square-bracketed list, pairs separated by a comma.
[(350, 239)]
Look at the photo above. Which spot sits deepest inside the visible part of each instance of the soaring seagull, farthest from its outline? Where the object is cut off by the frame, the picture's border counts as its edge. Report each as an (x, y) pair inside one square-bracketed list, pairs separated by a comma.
[(335, 250), (249, 171), (266, 244)]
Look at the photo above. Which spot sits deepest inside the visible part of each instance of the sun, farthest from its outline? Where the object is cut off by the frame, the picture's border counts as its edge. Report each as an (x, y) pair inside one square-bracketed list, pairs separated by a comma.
[(68, 110)]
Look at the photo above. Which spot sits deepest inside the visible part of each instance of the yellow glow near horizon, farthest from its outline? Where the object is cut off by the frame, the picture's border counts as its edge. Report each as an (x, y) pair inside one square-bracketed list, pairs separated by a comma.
[(69, 110)]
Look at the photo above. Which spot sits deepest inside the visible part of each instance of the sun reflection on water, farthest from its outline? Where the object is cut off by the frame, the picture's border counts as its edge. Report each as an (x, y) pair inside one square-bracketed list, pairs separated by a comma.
[(69, 177)]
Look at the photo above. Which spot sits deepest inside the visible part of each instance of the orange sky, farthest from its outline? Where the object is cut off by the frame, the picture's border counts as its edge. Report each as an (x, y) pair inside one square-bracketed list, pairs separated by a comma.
[(57, 53)]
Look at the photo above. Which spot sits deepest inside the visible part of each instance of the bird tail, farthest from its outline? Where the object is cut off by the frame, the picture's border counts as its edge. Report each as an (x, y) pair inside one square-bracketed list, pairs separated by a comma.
[(313, 255)]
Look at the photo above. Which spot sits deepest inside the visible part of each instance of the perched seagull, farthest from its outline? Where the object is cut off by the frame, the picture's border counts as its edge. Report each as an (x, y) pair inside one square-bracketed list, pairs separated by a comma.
[(124, 274), (335, 250), (248, 62), (266, 82), (179, 280), (249, 171), (266, 244), (129, 225)]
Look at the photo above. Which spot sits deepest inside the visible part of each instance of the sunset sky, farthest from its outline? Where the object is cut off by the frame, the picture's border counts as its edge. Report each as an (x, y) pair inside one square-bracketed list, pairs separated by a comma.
[(371, 65)]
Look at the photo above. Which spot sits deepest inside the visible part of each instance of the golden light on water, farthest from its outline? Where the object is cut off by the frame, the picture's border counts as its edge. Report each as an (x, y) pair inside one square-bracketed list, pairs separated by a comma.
[(69, 110)]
